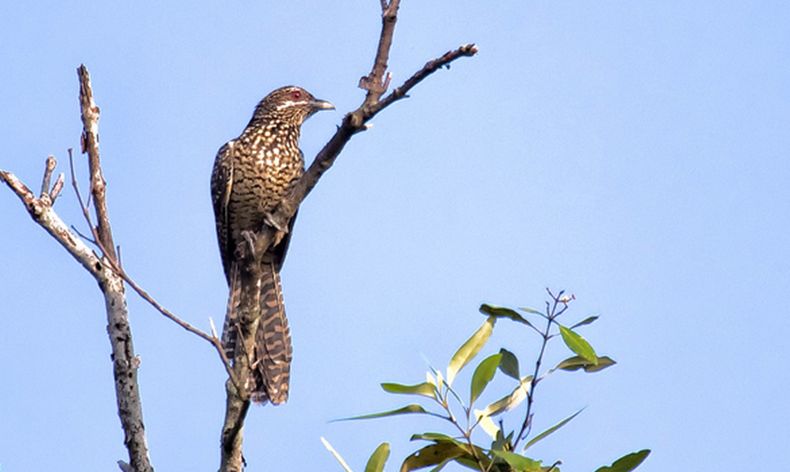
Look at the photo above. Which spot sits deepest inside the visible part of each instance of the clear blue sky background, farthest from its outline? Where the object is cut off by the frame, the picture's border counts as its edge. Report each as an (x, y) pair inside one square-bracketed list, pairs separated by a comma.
[(634, 153)]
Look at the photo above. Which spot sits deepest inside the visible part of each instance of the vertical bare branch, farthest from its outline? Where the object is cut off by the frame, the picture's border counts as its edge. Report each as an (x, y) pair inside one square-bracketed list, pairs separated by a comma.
[(49, 167), (125, 362), (376, 83), (90, 146)]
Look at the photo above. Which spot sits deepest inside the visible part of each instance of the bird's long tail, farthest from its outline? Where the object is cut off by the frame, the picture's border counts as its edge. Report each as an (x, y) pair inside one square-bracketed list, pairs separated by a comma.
[(272, 369), (271, 361)]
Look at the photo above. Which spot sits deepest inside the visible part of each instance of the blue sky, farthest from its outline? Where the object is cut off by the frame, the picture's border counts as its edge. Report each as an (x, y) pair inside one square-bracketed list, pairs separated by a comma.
[(633, 153)]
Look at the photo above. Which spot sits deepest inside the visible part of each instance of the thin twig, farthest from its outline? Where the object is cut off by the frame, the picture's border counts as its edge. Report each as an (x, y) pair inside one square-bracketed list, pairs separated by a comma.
[(84, 236), (467, 50), (213, 340), (118, 269), (85, 212), (55, 193), (551, 315), (375, 82)]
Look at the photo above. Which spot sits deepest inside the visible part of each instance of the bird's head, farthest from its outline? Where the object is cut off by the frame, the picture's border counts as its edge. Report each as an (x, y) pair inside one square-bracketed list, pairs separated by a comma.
[(291, 105)]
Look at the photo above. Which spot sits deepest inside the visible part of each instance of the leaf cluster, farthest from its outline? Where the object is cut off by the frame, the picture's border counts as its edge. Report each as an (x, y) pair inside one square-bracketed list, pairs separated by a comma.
[(503, 450)]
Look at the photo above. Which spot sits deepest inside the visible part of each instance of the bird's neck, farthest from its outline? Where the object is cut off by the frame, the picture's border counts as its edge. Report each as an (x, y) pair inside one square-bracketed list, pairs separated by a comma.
[(267, 127)]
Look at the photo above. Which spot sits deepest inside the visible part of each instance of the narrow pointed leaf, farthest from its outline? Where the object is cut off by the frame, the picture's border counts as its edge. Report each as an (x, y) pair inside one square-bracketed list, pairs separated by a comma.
[(585, 321), (431, 455), (509, 364), (468, 462), (336, 455), (578, 345), (470, 349), (483, 375), (531, 311), (551, 430), (626, 463), (518, 462), (441, 465), (502, 312), (414, 408), (578, 362), (511, 401), (378, 458), (437, 437), (488, 425), (425, 389)]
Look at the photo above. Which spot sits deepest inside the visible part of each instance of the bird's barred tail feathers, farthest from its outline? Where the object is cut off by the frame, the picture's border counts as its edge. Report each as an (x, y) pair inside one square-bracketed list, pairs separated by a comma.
[(273, 352), (273, 342)]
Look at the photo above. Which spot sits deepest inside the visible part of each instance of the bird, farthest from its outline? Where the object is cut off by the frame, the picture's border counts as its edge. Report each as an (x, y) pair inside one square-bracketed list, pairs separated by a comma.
[(251, 175)]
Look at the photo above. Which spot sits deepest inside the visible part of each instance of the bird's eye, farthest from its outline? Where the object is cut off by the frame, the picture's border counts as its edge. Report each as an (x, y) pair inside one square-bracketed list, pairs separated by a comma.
[(296, 95)]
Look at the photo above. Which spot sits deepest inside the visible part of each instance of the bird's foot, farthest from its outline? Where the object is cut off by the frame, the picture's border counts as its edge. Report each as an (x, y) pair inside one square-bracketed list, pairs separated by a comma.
[(249, 237), (272, 221), (282, 229)]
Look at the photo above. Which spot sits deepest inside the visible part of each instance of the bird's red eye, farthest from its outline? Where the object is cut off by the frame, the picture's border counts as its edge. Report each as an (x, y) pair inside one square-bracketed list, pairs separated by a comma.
[(296, 95)]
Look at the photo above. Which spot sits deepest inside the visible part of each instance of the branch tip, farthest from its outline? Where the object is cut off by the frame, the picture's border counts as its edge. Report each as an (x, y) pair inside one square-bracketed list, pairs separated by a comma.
[(55, 192)]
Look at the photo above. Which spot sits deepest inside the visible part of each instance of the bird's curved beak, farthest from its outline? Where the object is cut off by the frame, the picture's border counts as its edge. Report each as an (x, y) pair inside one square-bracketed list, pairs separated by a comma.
[(321, 105)]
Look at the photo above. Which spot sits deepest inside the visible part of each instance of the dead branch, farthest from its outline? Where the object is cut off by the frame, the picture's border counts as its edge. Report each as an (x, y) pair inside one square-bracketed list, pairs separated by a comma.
[(116, 266), (125, 363)]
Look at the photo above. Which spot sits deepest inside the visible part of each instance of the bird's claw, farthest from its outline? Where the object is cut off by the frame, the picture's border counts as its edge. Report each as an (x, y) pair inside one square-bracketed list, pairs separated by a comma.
[(272, 221), (281, 230), (249, 238)]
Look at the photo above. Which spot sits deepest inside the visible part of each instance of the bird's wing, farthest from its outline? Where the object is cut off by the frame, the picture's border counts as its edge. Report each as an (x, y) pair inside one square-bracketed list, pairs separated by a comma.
[(221, 187)]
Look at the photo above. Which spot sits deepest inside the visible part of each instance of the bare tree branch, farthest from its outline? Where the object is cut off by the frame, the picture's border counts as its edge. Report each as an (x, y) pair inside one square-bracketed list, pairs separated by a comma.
[(49, 167), (116, 266), (90, 145), (376, 82), (125, 363)]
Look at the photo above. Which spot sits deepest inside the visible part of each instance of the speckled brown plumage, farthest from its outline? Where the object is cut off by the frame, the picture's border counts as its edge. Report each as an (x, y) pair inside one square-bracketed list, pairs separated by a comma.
[(252, 173)]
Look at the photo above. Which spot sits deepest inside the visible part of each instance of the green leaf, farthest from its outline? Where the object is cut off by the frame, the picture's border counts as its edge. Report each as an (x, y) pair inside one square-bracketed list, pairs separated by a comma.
[(483, 375), (511, 401), (509, 364), (626, 463), (485, 422), (441, 465), (425, 389), (518, 462), (378, 458), (585, 321), (502, 312), (431, 455), (551, 430), (438, 438), (578, 362), (531, 311), (470, 349), (468, 462), (414, 408), (578, 345), (502, 442)]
